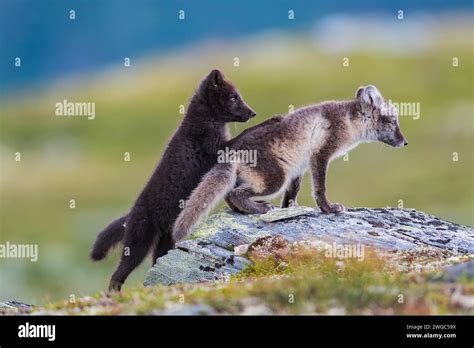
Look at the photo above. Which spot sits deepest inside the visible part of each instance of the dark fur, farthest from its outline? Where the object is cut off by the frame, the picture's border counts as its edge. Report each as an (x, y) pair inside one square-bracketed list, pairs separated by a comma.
[(109, 237), (190, 154)]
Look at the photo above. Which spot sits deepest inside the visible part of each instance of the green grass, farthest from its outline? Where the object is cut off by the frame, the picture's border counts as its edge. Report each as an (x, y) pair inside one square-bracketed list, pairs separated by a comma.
[(137, 111), (309, 283)]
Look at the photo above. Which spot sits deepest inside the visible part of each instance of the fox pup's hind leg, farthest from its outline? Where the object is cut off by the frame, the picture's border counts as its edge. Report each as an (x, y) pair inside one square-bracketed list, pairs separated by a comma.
[(138, 239), (289, 199), (240, 199), (234, 208), (163, 245), (319, 166), (232, 205)]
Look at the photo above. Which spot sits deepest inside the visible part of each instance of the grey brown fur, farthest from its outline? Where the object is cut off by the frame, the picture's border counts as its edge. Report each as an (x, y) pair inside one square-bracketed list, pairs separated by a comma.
[(308, 138)]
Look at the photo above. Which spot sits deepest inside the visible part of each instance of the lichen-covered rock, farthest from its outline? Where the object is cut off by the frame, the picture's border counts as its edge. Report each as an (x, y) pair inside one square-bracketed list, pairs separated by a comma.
[(283, 214), (209, 254), (458, 272), (15, 307)]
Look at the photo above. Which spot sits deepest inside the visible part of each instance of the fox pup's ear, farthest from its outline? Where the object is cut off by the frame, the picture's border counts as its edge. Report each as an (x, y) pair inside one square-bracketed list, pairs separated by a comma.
[(216, 77), (359, 92), (370, 95)]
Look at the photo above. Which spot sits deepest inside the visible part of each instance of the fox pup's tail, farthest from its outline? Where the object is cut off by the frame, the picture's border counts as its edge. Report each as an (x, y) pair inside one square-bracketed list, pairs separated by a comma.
[(213, 187), (108, 238)]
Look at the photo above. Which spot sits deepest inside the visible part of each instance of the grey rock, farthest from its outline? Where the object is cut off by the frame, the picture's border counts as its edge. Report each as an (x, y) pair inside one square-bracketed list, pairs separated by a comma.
[(6, 305), (457, 272), (209, 253), (282, 214), (15, 305)]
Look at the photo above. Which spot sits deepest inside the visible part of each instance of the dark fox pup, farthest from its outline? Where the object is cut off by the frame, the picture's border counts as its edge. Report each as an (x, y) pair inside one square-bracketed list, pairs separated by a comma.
[(309, 137), (190, 154)]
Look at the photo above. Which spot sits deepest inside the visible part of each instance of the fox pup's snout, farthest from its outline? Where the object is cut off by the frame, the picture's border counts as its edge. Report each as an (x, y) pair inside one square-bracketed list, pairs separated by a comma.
[(382, 117), (239, 109), (395, 138)]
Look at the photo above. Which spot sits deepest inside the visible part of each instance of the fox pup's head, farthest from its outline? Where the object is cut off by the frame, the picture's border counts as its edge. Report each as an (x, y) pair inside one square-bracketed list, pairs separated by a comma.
[(381, 118), (225, 99)]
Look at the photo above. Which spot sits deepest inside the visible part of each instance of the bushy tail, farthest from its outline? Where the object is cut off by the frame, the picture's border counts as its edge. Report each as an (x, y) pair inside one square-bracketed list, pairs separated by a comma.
[(213, 187), (108, 238)]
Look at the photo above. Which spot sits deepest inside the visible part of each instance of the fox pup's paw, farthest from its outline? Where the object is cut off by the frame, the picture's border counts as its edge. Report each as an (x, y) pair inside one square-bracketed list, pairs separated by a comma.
[(115, 286), (172, 244), (264, 207), (332, 208)]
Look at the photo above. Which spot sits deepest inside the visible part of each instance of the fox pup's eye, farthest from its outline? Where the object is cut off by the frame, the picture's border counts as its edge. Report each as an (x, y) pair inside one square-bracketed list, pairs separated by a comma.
[(233, 99)]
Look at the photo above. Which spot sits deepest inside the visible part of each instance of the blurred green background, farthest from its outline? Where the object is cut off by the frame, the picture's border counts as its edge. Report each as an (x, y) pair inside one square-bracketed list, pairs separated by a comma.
[(137, 110)]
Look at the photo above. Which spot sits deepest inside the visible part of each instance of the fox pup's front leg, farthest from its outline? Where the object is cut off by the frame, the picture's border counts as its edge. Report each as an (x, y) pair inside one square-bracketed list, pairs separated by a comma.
[(319, 166), (289, 199)]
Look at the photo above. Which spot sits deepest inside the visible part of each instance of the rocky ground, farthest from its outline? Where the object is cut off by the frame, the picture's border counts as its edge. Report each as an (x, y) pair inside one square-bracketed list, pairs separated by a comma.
[(215, 249), (299, 261)]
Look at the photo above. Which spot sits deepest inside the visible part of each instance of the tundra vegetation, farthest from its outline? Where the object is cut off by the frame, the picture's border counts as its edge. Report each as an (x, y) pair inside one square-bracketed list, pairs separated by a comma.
[(303, 281)]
